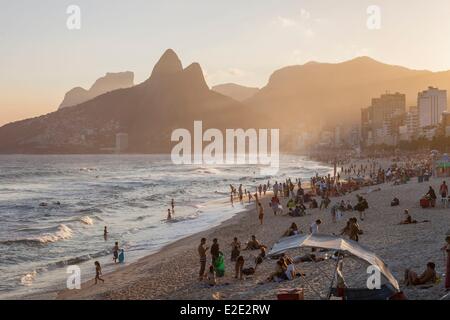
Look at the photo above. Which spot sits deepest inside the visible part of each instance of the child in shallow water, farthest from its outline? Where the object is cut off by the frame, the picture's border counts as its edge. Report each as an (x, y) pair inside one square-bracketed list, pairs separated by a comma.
[(98, 272)]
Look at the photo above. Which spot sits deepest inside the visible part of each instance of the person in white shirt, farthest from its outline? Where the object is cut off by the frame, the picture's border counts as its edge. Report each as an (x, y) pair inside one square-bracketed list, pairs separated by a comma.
[(314, 228)]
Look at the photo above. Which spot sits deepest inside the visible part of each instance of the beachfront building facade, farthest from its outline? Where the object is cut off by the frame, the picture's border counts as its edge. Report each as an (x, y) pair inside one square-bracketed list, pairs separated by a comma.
[(380, 121), (431, 104)]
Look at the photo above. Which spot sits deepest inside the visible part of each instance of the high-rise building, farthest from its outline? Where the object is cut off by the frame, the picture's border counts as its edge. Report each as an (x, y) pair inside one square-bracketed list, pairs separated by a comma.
[(431, 104), (377, 125), (412, 123)]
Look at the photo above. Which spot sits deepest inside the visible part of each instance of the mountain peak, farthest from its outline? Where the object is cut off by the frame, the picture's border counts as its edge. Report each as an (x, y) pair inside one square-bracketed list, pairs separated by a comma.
[(195, 75), (169, 63)]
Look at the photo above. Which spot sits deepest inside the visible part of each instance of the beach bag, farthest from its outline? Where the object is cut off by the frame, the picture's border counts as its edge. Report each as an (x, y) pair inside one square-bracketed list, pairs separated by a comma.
[(219, 265), (424, 203)]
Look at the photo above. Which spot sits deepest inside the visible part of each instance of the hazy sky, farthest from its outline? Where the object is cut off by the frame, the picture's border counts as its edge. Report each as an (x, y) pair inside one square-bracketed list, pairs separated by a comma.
[(234, 41)]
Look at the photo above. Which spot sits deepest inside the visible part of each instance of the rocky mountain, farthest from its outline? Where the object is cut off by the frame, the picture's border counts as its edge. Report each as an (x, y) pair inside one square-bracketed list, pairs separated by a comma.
[(110, 82), (235, 91), (171, 98), (333, 93)]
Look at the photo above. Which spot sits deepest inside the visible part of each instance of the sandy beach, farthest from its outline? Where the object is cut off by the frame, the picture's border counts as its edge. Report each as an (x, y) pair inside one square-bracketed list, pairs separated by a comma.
[(172, 273)]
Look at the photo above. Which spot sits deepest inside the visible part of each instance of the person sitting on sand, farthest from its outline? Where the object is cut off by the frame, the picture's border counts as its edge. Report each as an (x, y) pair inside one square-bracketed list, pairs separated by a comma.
[(98, 272), (292, 231), (299, 210), (260, 258), (352, 229), (235, 249), (280, 271), (116, 252), (211, 277), (309, 258), (428, 276), (291, 273), (239, 267), (432, 196), (290, 204), (253, 244), (395, 202), (313, 204), (408, 219), (349, 206)]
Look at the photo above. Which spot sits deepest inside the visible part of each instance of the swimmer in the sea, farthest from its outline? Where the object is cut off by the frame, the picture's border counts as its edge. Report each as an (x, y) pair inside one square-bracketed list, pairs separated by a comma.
[(105, 233)]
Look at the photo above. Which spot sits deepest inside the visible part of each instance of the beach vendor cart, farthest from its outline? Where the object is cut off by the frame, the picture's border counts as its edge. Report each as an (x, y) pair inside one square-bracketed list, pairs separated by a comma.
[(343, 249)]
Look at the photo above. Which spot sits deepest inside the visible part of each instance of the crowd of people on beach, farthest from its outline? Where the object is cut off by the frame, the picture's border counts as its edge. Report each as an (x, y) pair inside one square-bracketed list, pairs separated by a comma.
[(317, 193)]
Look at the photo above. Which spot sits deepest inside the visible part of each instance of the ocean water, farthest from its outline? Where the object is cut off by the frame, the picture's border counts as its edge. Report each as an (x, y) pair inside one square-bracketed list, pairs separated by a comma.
[(128, 193)]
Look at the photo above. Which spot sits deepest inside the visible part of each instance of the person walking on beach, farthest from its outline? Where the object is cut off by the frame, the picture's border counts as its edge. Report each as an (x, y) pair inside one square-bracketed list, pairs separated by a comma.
[(116, 252), (169, 215), (98, 272), (172, 203), (261, 213), (202, 248), (446, 248)]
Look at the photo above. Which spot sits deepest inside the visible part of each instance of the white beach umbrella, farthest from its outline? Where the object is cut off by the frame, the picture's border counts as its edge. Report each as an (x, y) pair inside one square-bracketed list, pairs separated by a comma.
[(334, 243)]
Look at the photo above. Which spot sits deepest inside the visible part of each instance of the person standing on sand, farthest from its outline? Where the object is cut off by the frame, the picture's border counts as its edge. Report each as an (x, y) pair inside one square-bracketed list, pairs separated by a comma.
[(261, 213), (169, 215), (98, 272), (314, 228), (446, 248), (443, 190), (238, 267), (202, 253), (215, 251), (116, 252)]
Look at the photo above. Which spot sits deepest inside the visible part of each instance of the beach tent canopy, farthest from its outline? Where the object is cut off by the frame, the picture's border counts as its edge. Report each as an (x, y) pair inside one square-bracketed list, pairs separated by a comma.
[(334, 243)]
